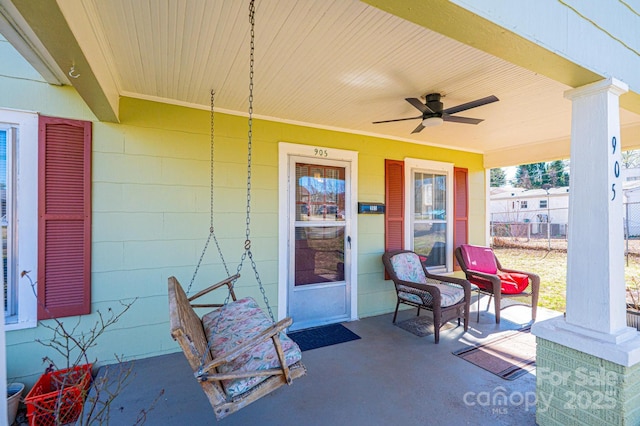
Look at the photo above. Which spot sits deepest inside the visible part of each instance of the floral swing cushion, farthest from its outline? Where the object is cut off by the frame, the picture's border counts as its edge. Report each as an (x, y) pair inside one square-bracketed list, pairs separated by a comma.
[(241, 320)]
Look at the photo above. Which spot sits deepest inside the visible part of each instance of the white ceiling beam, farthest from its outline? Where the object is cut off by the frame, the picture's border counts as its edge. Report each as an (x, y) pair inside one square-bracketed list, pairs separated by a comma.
[(50, 28), (14, 28)]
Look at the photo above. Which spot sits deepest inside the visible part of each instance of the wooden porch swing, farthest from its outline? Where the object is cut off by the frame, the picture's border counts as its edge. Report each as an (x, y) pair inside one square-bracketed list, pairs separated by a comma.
[(237, 353)]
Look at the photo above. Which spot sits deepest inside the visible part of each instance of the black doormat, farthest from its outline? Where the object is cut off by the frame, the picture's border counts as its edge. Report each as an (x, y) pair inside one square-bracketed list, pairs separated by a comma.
[(326, 335)]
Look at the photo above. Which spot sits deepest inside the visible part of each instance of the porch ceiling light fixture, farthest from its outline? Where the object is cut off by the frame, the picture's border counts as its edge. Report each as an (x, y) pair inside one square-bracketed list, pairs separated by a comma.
[(432, 121)]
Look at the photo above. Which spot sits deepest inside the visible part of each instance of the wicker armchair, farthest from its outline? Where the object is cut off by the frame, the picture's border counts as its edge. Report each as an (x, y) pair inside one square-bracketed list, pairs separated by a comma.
[(446, 297), (482, 268)]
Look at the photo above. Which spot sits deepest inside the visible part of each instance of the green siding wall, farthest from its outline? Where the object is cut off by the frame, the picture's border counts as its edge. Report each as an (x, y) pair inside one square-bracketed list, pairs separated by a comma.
[(151, 211)]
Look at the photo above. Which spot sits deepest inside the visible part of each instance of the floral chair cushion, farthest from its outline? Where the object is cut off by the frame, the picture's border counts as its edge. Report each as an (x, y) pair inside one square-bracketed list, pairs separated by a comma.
[(241, 320), (407, 267)]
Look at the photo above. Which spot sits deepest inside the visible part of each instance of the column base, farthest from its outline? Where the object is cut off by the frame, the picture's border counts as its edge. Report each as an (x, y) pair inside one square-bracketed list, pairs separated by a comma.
[(623, 348), (576, 387), (627, 333)]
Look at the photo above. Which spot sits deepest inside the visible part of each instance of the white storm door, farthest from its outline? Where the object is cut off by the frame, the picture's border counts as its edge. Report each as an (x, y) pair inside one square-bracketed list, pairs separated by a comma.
[(319, 241)]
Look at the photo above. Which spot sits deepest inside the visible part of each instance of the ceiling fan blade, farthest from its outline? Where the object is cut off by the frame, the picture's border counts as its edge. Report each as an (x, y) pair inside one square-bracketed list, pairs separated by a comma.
[(465, 120), (472, 104), (397, 119), (418, 129), (422, 107)]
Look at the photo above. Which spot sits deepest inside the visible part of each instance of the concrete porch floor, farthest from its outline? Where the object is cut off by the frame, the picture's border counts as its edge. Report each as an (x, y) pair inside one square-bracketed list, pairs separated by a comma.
[(389, 376)]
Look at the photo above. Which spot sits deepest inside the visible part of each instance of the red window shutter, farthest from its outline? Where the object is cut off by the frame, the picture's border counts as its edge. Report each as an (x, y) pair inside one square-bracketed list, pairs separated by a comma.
[(64, 217), (394, 206), (460, 209)]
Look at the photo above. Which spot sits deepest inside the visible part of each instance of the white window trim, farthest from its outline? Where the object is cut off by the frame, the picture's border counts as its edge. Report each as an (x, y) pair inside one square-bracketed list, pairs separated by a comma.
[(26, 124), (412, 165)]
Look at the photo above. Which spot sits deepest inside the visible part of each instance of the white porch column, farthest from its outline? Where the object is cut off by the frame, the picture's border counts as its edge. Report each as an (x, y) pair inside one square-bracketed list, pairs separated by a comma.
[(595, 257), (591, 354), (595, 320)]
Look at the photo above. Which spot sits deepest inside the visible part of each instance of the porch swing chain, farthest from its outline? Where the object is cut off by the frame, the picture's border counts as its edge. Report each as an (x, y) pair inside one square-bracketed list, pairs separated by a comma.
[(247, 244), (211, 228)]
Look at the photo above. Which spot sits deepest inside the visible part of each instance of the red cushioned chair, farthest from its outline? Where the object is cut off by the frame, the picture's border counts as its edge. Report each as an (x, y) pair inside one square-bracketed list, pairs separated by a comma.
[(483, 269)]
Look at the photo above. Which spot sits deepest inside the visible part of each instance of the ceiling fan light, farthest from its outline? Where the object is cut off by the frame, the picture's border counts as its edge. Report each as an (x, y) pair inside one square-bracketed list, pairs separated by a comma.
[(432, 121)]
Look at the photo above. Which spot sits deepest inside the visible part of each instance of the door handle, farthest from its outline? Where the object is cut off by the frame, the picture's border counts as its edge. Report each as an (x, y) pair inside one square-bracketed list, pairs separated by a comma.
[(349, 241)]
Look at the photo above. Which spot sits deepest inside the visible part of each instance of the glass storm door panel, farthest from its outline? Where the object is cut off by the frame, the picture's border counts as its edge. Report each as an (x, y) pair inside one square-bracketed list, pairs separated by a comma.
[(430, 218), (318, 288)]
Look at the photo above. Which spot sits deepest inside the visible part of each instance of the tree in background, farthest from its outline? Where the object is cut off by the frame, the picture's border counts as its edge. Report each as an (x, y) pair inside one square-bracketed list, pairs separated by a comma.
[(498, 177), (557, 175), (530, 176), (630, 159)]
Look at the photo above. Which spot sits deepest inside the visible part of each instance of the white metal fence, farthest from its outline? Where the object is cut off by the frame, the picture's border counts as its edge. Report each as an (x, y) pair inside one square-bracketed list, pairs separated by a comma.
[(536, 231), (536, 226)]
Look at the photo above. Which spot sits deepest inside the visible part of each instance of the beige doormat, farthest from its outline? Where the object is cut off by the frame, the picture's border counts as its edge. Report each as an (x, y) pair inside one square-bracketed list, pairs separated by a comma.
[(508, 356)]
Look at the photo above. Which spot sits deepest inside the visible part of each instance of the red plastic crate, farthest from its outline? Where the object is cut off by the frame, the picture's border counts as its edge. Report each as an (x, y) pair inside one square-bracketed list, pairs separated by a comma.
[(46, 397)]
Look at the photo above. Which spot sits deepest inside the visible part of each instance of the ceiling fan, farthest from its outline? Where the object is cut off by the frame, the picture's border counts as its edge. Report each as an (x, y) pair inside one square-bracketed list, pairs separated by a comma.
[(434, 115)]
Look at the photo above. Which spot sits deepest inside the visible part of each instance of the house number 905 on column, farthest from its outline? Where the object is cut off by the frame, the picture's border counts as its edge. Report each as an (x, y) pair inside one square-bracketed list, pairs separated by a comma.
[(616, 167)]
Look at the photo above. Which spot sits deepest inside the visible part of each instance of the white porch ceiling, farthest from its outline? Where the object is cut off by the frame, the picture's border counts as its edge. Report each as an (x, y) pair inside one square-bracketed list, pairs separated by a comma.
[(337, 64)]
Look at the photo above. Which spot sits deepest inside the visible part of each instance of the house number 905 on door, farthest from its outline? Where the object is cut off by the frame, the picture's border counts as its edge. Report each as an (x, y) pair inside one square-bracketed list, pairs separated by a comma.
[(319, 152)]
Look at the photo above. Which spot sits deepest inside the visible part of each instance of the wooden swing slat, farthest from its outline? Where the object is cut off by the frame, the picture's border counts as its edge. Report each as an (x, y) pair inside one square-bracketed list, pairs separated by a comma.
[(281, 356), (227, 281), (207, 305), (239, 375)]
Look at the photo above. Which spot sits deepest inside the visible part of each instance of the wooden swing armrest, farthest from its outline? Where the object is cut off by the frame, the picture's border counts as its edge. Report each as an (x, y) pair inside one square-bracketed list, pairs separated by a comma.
[(207, 305), (227, 357), (214, 377), (227, 281)]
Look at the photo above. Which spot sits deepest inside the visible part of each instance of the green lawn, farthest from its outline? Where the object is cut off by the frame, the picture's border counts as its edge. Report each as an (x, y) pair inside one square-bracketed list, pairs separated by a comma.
[(552, 268)]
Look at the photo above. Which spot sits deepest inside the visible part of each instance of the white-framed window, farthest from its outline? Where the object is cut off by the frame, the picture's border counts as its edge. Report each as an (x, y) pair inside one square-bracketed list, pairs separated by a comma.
[(429, 212), (8, 223), (543, 204), (523, 204), (19, 215)]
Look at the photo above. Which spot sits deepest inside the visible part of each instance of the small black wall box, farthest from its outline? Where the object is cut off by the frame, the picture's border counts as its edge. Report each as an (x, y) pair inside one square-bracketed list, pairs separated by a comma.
[(370, 208)]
